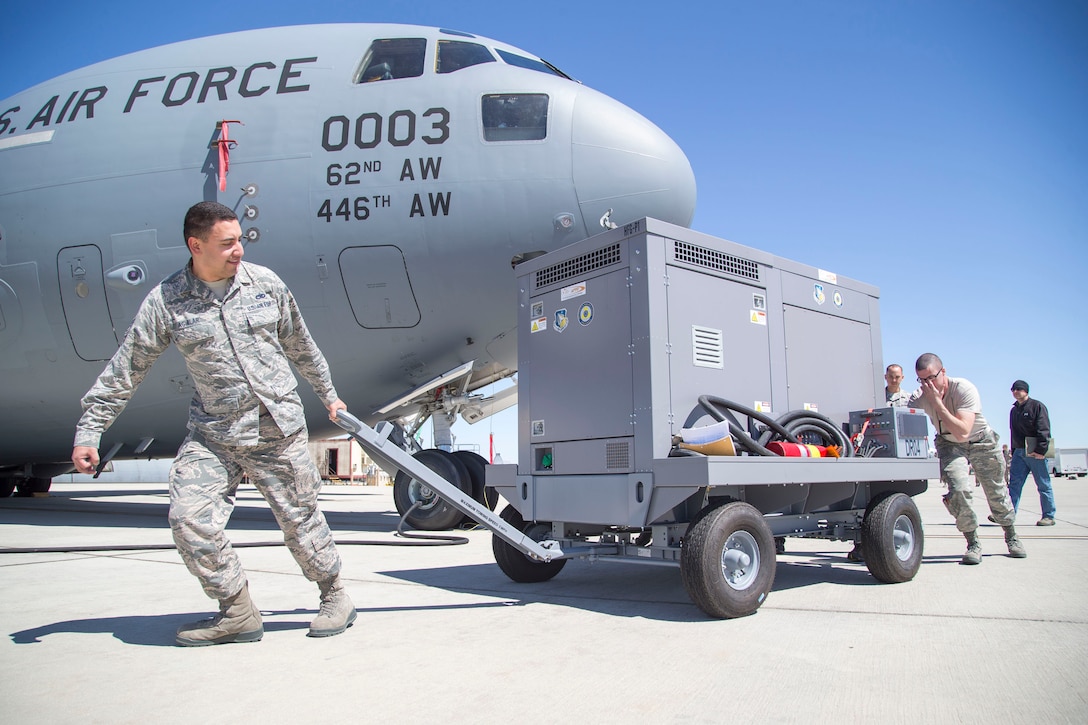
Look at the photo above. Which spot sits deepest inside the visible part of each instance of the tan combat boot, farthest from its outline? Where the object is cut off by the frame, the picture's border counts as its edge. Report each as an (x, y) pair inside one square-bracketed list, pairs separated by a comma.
[(238, 621), (1016, 548), (973, 555), (337, 610)]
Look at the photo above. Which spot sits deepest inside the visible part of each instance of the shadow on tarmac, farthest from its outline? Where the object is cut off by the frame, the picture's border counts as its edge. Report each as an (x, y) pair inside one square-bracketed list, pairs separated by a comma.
[(629, 590), (623, 590), (149, 631), (654, 593), (158, 630), (250, 513)]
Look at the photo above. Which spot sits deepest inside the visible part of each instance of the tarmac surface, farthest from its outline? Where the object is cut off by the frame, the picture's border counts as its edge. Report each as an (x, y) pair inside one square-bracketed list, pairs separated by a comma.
[(443, 636)]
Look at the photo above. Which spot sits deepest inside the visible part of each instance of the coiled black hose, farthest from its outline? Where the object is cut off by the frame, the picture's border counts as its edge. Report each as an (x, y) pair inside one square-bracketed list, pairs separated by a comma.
[(788, 427)]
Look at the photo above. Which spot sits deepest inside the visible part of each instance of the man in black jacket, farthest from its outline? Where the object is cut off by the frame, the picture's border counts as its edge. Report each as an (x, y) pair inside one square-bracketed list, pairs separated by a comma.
[(1030, 426)]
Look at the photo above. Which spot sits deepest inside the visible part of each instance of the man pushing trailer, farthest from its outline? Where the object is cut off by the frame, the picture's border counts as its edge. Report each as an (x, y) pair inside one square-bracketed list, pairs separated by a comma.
[(964, 441)]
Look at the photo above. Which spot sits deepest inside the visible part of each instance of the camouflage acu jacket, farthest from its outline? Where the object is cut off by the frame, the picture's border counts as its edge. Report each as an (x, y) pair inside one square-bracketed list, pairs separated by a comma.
[(236, 350), (896, 400)]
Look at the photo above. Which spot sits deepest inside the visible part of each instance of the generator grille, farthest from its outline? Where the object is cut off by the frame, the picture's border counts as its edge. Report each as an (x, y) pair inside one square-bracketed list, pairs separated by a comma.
[(578, 266), (617, 455), (713, 259), (707, 347)]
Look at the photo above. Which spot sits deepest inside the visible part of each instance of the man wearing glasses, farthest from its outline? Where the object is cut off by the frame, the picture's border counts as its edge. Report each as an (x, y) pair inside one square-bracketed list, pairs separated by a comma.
[(964, 441)]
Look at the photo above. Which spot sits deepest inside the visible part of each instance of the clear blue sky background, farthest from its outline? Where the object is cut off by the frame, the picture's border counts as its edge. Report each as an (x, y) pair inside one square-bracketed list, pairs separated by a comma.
[(937, 149)]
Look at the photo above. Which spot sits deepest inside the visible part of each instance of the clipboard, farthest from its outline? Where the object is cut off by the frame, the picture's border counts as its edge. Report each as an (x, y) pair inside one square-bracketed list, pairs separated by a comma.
[(1031, 441)]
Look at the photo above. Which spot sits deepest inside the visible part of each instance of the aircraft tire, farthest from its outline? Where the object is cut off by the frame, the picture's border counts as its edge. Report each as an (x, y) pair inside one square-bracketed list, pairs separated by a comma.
[(892, 538), (728, 560), (516, 565), (477, 467), (434, 513), (7, 487)]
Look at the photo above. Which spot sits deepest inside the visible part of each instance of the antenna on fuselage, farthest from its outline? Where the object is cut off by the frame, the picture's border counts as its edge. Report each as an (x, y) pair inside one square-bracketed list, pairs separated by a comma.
[(606, 220)]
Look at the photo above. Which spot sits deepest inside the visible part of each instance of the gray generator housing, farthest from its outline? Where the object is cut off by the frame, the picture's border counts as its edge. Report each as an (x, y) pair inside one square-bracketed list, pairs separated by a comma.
[(673, 315), (620, 334)]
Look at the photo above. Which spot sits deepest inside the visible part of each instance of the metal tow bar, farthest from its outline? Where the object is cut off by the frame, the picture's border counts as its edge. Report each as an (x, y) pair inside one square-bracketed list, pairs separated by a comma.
[(392, 458)]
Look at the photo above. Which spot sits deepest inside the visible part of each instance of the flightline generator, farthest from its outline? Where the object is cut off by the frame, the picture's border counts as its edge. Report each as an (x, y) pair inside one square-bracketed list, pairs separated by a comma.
[(685, 400)]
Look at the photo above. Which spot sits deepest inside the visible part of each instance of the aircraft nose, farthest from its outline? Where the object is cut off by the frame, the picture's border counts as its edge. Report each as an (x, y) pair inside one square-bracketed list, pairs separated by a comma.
[(623, 162)]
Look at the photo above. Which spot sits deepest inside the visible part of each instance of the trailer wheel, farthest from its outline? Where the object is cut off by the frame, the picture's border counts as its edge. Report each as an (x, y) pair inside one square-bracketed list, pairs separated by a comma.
[(433, 513), (516, 565), (892, 539), (728, 560), (31, 486)]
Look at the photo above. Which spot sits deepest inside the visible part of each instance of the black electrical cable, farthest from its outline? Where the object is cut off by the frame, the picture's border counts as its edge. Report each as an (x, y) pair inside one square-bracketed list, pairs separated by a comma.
[(788, 427), (801, 421), (418, 540)]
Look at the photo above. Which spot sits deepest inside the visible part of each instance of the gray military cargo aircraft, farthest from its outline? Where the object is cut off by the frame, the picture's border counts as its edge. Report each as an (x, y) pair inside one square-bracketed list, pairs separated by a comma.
[(390, 174)]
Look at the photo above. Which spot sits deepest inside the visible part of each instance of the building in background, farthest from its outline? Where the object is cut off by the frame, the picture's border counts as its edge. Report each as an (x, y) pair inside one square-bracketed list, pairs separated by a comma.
[(342, 460)]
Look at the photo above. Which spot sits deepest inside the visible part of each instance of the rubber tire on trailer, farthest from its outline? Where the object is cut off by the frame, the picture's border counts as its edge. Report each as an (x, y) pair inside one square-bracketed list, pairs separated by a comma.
[(30, 486), (892, 538), (435, 514), (7, 487), (476, 465), (516, 565), (728, 560), (859, 546)]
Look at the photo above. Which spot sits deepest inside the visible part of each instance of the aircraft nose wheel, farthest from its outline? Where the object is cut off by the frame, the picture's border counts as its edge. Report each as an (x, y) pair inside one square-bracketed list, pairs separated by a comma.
[(433, 513), (420, 493)]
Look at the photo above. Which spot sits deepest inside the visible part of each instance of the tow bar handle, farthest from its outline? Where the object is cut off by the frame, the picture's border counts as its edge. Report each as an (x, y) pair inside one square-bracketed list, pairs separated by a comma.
[(392, 458)]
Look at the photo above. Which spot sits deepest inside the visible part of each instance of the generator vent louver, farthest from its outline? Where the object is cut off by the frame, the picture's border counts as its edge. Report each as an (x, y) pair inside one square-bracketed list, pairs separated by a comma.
[(617, 455), (578, 267), (707, 347), (713, 259)]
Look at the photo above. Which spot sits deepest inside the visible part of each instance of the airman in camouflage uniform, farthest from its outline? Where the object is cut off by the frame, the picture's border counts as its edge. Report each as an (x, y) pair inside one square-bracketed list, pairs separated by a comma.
[(965, 440), (237, 326), (894, 395)]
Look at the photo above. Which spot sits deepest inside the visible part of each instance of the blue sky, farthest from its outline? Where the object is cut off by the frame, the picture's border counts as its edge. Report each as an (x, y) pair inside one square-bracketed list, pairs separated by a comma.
[(933, 148)]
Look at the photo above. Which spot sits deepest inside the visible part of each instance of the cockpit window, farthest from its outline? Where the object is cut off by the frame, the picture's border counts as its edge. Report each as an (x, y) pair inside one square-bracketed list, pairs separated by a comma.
[(515, 117), (454, 55), (393, 58), (531, 63)]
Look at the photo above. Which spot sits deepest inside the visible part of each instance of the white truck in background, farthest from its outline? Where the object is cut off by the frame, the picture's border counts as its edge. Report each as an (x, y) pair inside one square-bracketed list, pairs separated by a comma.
[(1069, 462)]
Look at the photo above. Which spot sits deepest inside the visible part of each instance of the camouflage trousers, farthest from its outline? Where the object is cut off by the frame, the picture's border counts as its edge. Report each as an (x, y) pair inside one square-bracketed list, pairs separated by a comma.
[(203, 483), (984, 455)]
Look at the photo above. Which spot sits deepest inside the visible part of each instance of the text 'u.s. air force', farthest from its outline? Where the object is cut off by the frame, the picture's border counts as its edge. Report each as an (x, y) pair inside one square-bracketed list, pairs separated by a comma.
[(359, 143), (181, 89)]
